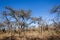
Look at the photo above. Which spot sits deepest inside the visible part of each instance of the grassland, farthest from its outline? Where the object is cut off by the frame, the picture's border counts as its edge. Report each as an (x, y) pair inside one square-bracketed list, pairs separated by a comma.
[(31, 35)]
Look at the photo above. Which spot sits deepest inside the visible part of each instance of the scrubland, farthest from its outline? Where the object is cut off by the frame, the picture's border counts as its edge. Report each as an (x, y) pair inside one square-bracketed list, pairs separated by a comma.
[(31, 34)]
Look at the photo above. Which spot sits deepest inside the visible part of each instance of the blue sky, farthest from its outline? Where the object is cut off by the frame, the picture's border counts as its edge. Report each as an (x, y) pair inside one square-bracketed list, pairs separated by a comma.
[(38, 7)]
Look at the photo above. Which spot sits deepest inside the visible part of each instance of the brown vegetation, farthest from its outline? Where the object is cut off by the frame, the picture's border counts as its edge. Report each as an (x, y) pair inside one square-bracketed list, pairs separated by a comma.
[(19, 28)]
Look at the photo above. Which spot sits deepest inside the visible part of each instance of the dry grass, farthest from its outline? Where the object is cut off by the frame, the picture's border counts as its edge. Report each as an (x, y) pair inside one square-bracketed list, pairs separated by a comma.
[(31, 35)]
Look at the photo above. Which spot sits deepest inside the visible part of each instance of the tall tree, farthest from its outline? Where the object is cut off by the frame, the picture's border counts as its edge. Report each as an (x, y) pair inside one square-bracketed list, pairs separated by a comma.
[(56, 20)]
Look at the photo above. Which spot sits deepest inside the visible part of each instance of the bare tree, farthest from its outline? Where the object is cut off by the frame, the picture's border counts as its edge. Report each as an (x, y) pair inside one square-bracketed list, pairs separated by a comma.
[(56, 20), (37, 20), (56, 9), (21, 16)]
